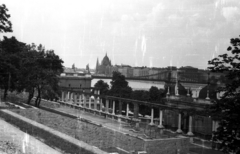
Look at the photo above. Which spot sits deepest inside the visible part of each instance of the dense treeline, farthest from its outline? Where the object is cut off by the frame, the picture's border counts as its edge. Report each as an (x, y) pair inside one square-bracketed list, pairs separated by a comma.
[(27, 67), (227, 108), (120, 88)]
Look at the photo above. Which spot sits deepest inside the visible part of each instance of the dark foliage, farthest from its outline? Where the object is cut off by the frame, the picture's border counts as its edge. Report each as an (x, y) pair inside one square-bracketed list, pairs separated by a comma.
[(120, 86), (227, 108), (102, 86), (5, 24)]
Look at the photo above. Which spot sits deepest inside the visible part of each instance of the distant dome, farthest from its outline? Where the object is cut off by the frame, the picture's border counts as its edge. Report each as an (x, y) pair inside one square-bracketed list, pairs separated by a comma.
[(106, 61)]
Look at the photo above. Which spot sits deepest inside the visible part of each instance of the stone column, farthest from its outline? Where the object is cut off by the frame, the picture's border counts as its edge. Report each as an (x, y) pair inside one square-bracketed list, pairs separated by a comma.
[(179, 130), (100, 104), (113, 108), (213, 126), (152, 116), (62, 96), (71, 97), (78, 97), (127, 110), (207, 95), (89, 102), (176, 91), (136, 110), (188, 93), (95, 103), (84, 101), (216, 125), (68, 95), (107, 106), (81, 99), (160, 119), (190, 127)]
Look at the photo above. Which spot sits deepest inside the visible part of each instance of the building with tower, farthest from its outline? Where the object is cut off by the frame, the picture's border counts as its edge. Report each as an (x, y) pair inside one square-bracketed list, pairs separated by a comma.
[(103, 68)]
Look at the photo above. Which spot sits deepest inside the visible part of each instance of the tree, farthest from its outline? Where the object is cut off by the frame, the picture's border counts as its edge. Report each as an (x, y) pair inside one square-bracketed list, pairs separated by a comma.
[(227, 108), (137, 95), (154, 93), (10, 57), (5, 24), (162, 94), (120, 86), (40, 71), (102, 86)]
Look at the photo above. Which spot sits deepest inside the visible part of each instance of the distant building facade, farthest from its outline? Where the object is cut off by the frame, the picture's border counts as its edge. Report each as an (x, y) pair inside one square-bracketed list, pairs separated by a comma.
[(75, 78), (186, 73)]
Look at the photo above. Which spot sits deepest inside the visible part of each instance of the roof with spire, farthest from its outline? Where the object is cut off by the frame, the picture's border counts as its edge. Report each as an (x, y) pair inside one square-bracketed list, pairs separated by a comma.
[(106, 61)]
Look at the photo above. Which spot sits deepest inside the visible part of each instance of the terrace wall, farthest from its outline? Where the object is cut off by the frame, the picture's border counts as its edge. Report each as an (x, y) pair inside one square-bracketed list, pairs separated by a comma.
[(105, 138)]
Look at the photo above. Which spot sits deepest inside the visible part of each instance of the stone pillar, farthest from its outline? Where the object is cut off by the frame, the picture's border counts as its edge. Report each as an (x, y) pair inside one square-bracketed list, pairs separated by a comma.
[(190, 127), (152, 116), (71, 97), (68, 95), (188, 93), (207, 95), (168, 92), (62, 96), (78, 97), (179, 130), (95, 103), (84, 101), (160, 119), (213, 126), (100, 104), (81, 98), (113, 108), (107, 106), (136, 110), (176, 91), (127, 110), (218, 95), (89, 102), (216, 125)]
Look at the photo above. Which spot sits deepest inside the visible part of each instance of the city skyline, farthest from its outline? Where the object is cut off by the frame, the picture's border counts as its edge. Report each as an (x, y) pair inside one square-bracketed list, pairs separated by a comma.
[(155, 33)]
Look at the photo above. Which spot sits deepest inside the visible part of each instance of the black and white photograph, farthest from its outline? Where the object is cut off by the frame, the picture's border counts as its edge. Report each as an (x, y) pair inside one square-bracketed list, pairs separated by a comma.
[(119, 77)]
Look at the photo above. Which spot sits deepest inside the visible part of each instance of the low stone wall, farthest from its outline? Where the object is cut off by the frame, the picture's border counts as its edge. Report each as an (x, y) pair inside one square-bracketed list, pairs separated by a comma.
[(167, 146), (104, 138)]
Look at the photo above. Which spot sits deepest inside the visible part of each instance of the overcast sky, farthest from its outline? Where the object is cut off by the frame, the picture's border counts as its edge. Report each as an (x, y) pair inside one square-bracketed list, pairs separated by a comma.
[(153, 33)]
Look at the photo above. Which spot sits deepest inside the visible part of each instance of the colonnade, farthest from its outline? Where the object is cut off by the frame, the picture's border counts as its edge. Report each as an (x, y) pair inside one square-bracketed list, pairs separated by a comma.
[(85, 100)]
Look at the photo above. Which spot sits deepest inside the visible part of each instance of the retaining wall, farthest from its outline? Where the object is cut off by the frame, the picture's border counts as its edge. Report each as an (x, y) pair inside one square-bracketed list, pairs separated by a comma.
[(104, 138)]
